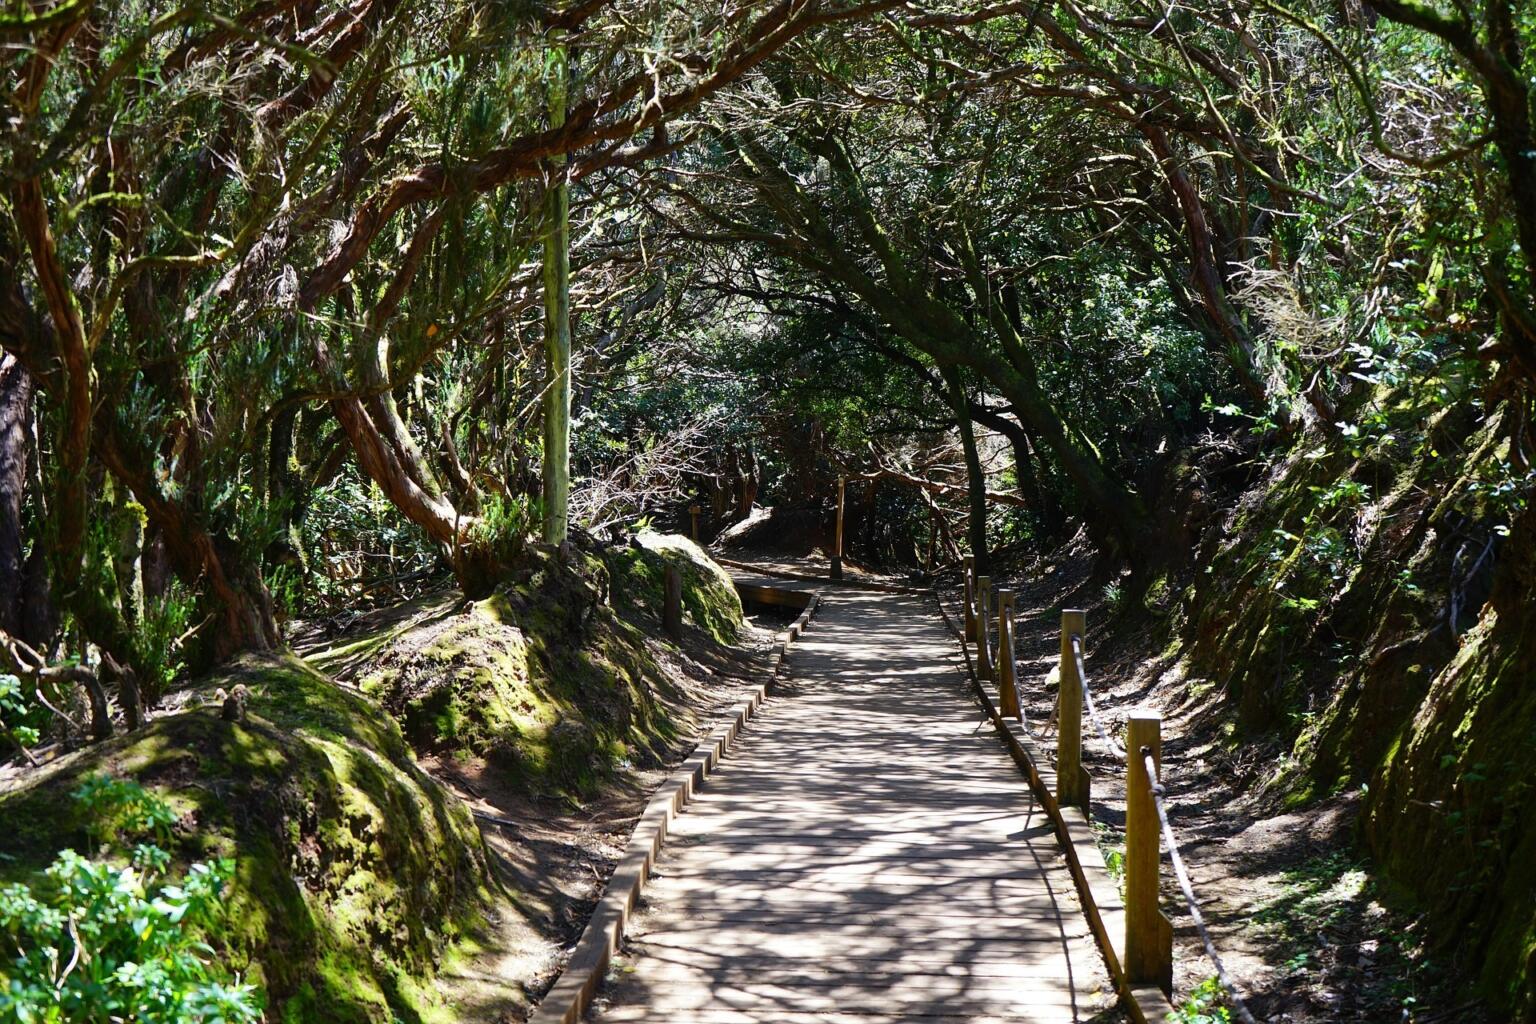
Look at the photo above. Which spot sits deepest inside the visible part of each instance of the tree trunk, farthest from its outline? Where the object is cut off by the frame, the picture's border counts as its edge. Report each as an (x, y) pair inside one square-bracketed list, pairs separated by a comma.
[(557, 326), (235, 590), (977, 521), (15, 412), (1241, 351)]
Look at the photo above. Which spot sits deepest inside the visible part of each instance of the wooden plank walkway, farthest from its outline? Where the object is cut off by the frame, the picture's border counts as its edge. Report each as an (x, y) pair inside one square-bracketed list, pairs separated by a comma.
[(866, 854)]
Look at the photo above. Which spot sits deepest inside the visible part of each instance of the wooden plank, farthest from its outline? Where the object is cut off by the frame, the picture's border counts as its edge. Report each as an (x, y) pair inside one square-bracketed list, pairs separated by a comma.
[(775, 1015), (778, 597)]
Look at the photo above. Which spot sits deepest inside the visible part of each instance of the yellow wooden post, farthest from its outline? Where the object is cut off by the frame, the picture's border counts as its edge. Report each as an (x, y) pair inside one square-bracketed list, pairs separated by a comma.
[(1007, 684), (970, 597), (1071, 776), (693, 511), (1148, 934), (983, 627), (837, 536)]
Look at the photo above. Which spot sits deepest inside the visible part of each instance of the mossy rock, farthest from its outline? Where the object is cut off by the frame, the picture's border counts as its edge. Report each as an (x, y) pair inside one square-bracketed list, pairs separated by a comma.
[(356, 874), (710, 600)]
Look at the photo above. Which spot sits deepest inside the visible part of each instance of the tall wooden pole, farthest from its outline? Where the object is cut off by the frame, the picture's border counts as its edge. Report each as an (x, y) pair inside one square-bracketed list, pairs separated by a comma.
[(1071, 776), (1148, 934), (557, 320), (693, 514), (837, 536)]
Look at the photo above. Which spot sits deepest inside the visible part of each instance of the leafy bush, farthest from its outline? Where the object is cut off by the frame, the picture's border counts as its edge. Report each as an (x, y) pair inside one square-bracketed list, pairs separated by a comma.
[(15, 713), (99, 940), (504, 525), (159, 640), (1203, 1006)]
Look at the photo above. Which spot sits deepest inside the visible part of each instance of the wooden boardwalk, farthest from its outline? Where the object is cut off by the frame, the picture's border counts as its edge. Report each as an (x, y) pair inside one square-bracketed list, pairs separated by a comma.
[(866, 854)]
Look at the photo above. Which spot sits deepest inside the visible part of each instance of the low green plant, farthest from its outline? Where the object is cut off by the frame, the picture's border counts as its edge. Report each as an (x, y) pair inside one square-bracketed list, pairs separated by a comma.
[(159, 639), (504, 525), (1202, 1006), (1114, 596), (16, 714), (113, 937)]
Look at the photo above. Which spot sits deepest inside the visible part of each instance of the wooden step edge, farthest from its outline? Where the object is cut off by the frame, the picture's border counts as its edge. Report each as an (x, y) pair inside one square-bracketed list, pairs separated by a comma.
[(572, 993)]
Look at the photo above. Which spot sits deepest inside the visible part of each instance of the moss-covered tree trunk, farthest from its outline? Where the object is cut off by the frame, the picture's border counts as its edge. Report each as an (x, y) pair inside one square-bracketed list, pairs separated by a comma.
[(1452, 813)]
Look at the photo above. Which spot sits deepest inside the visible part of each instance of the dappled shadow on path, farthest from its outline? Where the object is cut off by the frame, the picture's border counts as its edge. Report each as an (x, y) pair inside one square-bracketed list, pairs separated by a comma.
[(866, 853)]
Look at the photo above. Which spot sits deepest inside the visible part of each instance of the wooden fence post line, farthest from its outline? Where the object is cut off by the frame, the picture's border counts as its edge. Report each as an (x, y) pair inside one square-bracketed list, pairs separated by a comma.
[(1148, 934), (672, 602), (693, 512), (970, 597), (837, 536), (983, 627), (1007, 683), (1071, 776)]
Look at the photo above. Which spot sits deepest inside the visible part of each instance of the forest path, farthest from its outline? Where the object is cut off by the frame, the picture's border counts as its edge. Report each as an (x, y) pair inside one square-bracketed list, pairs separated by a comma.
[(867, 853)]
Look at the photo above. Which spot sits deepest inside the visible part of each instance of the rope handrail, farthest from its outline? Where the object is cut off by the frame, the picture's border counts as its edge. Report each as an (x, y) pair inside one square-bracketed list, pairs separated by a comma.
[(1159, 795), (1142, 944), (1093, 709)]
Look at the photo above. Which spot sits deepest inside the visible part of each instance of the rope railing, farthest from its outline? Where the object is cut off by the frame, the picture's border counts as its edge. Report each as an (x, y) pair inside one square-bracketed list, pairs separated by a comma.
[(1159, 797), (1093, 710), (1148, 949)]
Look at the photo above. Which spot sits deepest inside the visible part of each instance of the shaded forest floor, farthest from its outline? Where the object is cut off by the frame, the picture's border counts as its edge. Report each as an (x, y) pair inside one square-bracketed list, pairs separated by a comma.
[(1294, 909)]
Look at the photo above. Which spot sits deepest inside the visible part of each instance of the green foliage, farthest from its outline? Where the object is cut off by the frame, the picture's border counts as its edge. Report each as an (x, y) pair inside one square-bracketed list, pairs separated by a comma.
[(17, 715), (348, 532), (158, 637), (117, 808), (98, 941), (1202, 1005), (504, 526), (1114, 597)]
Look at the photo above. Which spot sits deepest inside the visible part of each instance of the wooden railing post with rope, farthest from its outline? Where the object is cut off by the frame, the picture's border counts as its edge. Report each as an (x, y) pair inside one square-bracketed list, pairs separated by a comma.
[(1072, 784), (1142, 953), (1007, 679), (970, 597), (1148, 934), (837, 535), (983, 622)]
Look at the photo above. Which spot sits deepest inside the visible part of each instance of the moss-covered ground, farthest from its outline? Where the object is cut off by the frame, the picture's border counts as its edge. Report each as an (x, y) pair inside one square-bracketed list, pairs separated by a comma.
[(364, 890), (552, 678), (355, 872)]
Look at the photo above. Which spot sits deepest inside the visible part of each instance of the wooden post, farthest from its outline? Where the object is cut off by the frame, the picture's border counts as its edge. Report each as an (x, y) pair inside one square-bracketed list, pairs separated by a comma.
[(672, 602), (837, 536), (693, 512), (1007, 684), (1148, 934), (970, 597), (983, 624), (1071, 776)]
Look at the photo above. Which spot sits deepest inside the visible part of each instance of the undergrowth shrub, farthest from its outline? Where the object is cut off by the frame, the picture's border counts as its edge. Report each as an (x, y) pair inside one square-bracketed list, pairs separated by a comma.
[(114, 937)]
